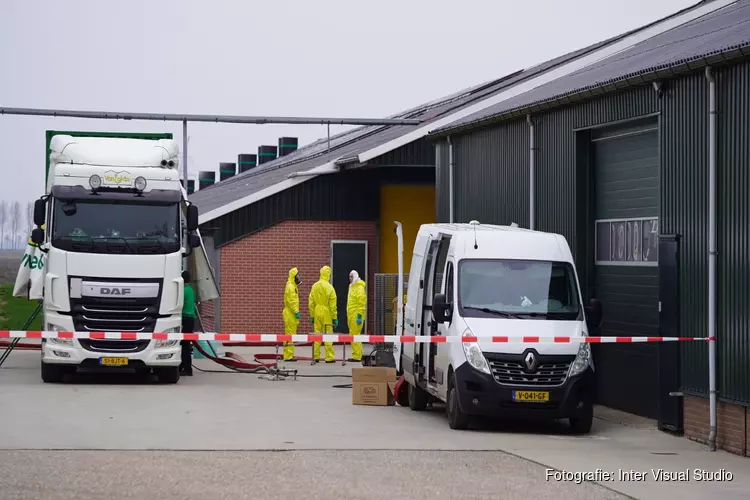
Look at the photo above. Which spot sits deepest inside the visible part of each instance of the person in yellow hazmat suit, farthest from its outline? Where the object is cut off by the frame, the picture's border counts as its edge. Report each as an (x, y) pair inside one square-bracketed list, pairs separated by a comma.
[(323, 312), (356, 305), (291, 312)]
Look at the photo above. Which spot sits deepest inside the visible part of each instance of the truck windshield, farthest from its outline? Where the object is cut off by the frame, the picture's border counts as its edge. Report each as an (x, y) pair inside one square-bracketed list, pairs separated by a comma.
[(121, 228), (523, 289)]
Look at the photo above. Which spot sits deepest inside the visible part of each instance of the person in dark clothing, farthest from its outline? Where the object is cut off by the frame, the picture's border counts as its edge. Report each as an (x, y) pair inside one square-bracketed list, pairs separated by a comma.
[(188, 326)]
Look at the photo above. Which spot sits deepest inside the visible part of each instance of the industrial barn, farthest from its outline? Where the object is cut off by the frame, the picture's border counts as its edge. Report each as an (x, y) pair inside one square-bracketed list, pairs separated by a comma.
[(624, 158), (611, 146)]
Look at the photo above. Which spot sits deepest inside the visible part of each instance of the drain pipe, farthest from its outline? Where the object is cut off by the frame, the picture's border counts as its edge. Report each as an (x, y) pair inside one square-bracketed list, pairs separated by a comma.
[(450, 180), (712, 258), (532, 161)]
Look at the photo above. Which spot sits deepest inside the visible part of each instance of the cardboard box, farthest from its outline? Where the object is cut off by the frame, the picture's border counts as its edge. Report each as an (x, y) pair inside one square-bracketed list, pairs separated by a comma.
[(373, 386)]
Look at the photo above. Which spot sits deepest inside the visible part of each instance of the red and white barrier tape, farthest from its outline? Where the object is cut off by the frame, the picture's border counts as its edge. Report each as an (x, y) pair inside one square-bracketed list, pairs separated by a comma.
[(365, 339)]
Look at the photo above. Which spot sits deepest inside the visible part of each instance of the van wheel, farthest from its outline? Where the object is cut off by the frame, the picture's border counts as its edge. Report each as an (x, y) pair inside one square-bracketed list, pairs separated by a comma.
[(417, 398), (169, 375), (52, 374), (582, 424), (457, 419)]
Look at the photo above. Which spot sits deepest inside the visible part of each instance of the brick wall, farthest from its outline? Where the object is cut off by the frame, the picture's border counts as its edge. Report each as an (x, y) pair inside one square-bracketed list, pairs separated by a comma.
[(731, 424), (254, 271)]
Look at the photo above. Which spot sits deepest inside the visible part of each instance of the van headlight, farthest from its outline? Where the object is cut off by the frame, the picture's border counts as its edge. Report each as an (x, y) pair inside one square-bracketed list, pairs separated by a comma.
[(582, 361), (168, 343), (474, 355)]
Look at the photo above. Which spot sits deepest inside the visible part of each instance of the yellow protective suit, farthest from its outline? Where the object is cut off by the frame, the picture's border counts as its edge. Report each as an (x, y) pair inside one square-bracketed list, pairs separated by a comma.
[(323, 311), (290, 312), (356, 305)]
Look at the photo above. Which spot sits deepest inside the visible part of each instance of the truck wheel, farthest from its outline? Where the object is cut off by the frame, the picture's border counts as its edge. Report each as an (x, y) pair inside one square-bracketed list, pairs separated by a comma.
[(52, 374), (417, 398), (582, 424), (170, 375), (457, 419)]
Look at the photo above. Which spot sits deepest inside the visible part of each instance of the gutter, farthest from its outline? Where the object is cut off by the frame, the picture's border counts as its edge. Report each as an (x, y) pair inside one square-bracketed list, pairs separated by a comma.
[(722, 57), (712, 258)]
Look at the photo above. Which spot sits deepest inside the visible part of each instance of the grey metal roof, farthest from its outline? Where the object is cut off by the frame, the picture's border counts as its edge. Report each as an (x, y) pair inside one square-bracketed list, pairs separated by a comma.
[(704, 40), (345, 147)]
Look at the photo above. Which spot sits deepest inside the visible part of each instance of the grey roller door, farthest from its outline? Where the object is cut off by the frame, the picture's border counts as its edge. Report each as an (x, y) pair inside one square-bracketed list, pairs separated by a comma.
[(626, 180)]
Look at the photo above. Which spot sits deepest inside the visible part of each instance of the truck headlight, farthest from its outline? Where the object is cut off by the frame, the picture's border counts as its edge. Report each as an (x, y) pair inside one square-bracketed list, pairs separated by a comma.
[(582, 361), (474, 355), (168, 343), (55, 340)]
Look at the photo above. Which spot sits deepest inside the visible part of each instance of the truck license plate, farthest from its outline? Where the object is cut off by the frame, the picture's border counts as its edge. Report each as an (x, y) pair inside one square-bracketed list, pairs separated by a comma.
[(113, 361), (532, 396)]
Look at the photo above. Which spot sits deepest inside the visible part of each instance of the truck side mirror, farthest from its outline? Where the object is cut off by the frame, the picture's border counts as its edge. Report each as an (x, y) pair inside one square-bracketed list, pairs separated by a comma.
[(37, 235), (194, 241), (441, 309), (40, 212), (192, 218), (594, 314)]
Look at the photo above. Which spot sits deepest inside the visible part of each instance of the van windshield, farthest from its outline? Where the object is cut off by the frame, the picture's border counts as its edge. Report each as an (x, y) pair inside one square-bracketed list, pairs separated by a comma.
[(525, 289)]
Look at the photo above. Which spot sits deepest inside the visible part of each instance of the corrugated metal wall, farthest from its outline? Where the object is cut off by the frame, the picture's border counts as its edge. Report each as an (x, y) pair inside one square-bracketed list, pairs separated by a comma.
[(492, 180), (419, 152), (684, 211), (346, 196), (733, 203)]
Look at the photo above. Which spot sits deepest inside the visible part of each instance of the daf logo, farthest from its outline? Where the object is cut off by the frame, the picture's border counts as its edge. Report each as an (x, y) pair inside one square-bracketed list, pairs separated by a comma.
[(530, 361), (114, 291)]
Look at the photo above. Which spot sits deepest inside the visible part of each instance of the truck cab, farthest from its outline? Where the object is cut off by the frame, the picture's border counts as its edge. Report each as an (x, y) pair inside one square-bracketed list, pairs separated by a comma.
[(117, 229), (483, 281)]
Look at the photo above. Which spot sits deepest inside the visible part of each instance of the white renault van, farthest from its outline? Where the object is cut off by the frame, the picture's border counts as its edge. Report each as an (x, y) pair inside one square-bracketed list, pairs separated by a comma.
[(484, 280)]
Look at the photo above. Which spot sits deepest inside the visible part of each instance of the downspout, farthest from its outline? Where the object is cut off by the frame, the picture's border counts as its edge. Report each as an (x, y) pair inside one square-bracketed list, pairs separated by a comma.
[(712, 258), (450, 180), (532, 161)]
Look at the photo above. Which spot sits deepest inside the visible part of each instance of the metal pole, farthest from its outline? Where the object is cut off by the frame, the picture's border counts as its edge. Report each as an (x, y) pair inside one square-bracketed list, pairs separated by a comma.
[(450, 180), (329, 137), (712, 259), (258, 120), (184, 154), (532, 160)]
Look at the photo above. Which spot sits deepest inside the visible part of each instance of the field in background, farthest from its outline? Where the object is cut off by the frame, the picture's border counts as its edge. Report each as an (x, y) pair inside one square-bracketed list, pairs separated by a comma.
[(9, 262)]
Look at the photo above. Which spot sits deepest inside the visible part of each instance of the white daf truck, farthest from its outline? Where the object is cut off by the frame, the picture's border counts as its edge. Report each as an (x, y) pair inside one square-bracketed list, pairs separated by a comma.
[(115, 227), (502, 281)]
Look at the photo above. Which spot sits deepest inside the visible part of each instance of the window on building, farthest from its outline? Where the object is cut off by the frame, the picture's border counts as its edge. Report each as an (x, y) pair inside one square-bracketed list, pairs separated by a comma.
[(627, 241)]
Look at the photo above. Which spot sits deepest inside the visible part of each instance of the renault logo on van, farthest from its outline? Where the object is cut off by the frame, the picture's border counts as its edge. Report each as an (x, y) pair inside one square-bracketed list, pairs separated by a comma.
[(530, 361)]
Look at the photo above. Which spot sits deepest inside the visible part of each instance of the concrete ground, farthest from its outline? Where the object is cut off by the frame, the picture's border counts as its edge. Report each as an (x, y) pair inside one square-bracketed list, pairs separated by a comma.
[(237, 435)]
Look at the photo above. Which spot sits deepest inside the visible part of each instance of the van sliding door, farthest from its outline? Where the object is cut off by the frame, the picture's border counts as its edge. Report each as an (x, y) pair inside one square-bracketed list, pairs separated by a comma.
[(432, 283)]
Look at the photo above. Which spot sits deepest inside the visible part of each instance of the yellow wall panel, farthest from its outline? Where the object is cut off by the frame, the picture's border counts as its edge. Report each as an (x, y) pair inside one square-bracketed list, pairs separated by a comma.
[(412, 206)]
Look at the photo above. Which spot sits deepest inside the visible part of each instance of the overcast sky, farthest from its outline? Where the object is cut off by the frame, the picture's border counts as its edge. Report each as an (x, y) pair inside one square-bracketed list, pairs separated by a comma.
[(278, 58)]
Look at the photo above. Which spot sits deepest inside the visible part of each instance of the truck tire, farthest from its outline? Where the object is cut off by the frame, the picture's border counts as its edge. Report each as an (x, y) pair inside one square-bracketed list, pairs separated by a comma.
[(457, 419), (417, 398), (582, 424), (52, 374), (169, 375)]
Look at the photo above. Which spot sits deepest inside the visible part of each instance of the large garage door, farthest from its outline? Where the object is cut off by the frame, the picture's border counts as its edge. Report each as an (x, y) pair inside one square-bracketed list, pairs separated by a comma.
[(626, 173)]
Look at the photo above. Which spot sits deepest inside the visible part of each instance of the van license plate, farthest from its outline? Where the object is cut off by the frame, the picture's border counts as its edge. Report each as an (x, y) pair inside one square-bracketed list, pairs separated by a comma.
[(532, 396), (113, 361)]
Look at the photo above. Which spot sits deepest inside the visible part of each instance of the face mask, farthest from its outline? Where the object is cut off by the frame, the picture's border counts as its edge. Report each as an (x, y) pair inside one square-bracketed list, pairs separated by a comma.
[(297, 280)]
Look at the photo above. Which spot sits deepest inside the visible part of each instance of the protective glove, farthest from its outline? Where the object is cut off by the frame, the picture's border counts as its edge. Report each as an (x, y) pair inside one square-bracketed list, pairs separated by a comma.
[(312, 321), (359, 319), (297, 315), (335, 323)]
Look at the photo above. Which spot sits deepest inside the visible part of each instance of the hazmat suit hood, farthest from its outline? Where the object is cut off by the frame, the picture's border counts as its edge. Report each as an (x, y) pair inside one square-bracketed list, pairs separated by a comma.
[(293, 272), (325, 273), (354, 275)]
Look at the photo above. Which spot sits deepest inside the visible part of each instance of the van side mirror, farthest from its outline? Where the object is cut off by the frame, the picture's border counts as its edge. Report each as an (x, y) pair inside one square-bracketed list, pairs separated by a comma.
[(37, 235), (594, 314), (192, 218), (40, 212), (441, 309)]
